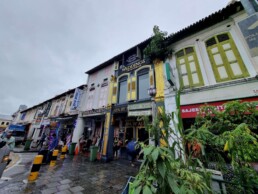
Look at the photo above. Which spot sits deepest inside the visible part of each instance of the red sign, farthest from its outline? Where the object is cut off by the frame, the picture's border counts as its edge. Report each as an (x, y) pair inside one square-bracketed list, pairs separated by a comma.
[(190, 111)]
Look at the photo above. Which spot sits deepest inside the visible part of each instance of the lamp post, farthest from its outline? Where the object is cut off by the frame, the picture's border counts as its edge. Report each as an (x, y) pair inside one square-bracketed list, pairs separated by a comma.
[(152, 93)]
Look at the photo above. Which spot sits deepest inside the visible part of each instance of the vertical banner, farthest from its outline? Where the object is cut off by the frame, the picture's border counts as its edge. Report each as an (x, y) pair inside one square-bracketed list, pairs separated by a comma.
[(76, 99), (249, 29)]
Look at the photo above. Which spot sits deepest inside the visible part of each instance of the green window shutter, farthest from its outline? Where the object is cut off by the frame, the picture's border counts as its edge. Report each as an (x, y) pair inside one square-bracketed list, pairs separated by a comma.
[(225, 59), (189, 69)]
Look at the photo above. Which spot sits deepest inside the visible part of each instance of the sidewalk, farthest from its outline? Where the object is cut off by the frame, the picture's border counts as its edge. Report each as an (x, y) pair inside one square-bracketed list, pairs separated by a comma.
[(75, 174), (20, 149)]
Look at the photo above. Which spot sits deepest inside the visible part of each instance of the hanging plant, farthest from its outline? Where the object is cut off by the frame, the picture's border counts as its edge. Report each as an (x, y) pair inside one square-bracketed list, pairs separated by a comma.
[(157, 48)]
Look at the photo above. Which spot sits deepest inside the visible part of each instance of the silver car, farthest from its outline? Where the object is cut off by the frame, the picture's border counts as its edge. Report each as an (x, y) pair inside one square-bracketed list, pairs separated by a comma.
[(4, 156)]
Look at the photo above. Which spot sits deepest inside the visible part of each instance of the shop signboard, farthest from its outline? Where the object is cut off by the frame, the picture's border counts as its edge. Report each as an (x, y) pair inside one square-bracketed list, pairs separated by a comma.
[(139, 106), (121, 109), (99, 111), (132, 62), (140, 113), (191, 111), (249, 29), (134, 123)]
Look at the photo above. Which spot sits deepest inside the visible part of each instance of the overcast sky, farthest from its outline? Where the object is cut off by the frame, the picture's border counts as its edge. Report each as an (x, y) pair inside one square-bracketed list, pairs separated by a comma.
[(47, 45)]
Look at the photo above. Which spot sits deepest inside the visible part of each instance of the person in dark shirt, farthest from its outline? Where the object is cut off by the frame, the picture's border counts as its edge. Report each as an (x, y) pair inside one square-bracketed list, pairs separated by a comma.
[(52, 146), (132, 150)]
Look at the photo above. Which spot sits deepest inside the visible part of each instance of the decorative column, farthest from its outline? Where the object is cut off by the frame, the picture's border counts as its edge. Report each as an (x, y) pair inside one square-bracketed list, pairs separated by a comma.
[(78, 130)]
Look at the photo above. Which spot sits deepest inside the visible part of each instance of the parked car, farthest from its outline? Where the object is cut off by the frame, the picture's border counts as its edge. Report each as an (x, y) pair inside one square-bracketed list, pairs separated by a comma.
[(4, 156)]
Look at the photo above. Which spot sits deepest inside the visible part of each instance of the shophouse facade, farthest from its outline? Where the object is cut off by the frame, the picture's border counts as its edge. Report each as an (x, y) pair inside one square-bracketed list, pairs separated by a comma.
[(212, 62), (56, 115), (134, 87), (94, 105), (5, 121)]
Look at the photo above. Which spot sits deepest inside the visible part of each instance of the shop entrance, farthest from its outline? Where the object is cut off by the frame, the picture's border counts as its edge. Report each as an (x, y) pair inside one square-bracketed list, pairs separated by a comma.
[(142, 135), (129, 134)]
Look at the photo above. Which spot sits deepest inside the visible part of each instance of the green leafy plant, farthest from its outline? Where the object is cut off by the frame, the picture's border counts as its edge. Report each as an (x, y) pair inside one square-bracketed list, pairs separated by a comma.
[(229, 136), (165, 169), (157, 48)]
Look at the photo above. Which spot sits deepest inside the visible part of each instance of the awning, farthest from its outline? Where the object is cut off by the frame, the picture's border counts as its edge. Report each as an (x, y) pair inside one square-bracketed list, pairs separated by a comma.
[(16, 127), (190, 111)]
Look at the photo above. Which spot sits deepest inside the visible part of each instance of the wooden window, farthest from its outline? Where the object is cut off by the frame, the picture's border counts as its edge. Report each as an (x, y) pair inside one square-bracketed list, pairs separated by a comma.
[(226, 61), (189, 69), (122, 96)]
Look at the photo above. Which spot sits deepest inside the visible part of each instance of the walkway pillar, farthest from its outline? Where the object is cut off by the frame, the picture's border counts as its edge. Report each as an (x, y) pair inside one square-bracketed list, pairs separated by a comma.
[(78, 131)]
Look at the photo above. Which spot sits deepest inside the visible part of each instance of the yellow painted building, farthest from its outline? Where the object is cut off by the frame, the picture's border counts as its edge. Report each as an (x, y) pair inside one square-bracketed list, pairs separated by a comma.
[(5, 121)]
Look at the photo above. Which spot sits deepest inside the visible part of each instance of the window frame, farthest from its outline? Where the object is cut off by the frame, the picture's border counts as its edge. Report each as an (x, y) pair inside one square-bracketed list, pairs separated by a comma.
[(122, 79), (141, 72), (188, 69), (226, 63)]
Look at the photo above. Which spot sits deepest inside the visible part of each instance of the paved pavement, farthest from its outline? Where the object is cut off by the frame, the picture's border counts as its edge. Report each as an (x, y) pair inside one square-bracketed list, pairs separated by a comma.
[(75, 174)]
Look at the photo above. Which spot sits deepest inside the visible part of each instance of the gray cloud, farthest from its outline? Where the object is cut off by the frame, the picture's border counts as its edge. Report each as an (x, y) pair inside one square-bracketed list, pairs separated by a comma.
[(46, 46)]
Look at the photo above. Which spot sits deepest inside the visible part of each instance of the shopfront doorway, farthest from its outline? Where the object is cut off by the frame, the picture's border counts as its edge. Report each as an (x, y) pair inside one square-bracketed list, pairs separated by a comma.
[(142, 135)]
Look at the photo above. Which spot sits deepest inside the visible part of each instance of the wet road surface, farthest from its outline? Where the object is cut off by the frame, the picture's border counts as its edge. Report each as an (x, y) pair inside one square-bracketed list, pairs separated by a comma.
[(75, 174)]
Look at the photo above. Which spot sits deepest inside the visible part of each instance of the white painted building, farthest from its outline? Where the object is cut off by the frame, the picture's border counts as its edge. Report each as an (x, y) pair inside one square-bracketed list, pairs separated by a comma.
[(213, 63)]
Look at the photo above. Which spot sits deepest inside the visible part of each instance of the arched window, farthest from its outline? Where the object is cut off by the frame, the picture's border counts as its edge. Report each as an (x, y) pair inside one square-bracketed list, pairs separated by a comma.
[(189, 69), (226, 61), (143, 83), (122, 90)]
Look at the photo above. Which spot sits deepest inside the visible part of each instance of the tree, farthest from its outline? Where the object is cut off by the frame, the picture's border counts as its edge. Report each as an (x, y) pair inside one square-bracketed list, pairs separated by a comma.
[(157, 48)]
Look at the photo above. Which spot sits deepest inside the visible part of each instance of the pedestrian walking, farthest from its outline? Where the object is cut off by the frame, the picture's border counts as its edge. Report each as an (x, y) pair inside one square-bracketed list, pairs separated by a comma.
[(52, 146), (132, 151), (10, 140), (115, 147)]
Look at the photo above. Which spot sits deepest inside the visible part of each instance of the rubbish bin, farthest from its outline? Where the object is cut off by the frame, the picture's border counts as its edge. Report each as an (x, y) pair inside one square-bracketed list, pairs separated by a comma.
[(93, 153), (72, 148), (27, 144)]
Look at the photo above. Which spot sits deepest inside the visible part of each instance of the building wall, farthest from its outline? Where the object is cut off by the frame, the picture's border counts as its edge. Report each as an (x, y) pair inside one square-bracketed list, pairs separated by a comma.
[(98, 97), (5, 121), (212, 89)]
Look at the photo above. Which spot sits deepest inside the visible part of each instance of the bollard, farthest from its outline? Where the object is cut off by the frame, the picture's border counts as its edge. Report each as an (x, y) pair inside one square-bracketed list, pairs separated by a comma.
[(63, 152), (35, 168), (53, 158)]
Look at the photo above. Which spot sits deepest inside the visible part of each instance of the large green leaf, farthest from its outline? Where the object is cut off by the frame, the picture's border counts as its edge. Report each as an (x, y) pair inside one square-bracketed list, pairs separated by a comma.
[(162, 169), (138, 190), (173, 185), (155, 154), (148, 150), (147, 190)]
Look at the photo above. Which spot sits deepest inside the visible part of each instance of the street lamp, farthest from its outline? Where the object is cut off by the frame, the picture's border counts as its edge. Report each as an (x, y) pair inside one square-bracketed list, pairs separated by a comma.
[(152, 92)]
